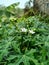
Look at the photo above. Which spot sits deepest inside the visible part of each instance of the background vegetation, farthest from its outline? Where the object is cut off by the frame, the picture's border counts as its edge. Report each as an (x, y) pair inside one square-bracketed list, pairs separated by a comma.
[(24, 37)]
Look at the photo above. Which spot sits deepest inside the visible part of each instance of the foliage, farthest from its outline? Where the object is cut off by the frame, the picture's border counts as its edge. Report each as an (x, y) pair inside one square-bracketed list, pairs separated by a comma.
[(12, 10), (28, 10), (24, 41)]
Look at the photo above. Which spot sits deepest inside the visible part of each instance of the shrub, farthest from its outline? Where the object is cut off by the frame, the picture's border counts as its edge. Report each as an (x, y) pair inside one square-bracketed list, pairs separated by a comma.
[(24, 42)]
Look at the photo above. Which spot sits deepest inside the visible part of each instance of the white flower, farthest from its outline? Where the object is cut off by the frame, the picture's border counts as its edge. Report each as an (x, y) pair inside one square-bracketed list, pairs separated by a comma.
[(23, 29), (31, 31)]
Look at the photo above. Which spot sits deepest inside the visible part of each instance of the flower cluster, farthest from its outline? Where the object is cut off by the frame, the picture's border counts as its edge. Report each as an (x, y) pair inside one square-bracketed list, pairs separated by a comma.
[(31, 31), (25, 30)]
